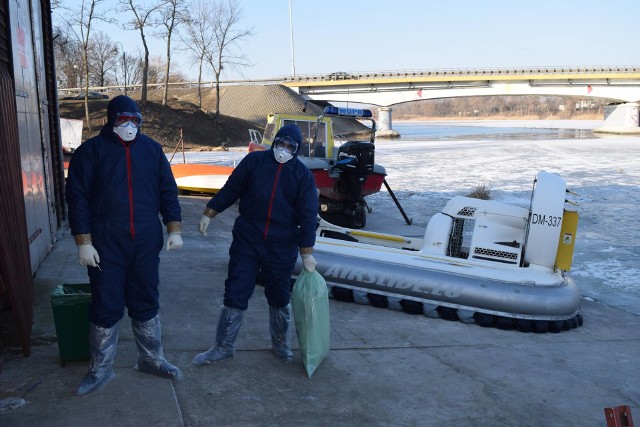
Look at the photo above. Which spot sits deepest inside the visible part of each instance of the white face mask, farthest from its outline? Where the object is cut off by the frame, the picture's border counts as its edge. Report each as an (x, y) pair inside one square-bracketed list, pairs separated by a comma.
[(127, 132), (282, 155)]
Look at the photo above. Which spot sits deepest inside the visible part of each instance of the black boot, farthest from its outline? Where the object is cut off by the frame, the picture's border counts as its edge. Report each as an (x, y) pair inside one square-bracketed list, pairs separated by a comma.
[(228, 328), (280, 326), (150, 353), (103, 346)]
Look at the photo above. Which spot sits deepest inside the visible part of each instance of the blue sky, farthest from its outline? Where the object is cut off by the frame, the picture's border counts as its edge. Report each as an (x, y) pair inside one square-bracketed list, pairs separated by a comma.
[(376, 35)]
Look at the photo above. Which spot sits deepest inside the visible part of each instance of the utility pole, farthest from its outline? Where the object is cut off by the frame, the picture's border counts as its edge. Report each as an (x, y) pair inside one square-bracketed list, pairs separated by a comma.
[(293, 62), (124, 66)]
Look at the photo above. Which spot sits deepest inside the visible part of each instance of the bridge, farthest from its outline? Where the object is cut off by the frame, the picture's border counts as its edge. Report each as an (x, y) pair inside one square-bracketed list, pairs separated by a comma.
[(385, 89), (620, 85)]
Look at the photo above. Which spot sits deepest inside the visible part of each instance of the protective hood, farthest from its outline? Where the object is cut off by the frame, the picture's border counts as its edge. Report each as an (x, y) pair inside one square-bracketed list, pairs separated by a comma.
[(119, 104), (293, 132)]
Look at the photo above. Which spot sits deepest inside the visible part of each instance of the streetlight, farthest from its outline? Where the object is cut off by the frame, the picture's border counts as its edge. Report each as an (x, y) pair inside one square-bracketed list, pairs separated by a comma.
[(124, 66), (75, 75)]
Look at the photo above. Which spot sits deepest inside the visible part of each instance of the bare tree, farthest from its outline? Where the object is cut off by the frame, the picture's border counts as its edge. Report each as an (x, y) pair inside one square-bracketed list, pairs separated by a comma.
[(102, 57), (197, 37), (155, 72), (68, 56), (142, 16), (226, 17), (133, 69), (569, 106), (79, 21), (172, 14)]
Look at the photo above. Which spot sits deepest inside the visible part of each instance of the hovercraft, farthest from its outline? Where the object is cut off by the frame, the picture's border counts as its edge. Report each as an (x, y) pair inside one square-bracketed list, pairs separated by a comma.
[(480, 261)]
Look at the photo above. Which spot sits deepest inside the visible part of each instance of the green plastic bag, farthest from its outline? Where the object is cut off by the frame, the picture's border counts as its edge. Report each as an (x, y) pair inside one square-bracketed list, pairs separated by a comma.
[(310, 302)]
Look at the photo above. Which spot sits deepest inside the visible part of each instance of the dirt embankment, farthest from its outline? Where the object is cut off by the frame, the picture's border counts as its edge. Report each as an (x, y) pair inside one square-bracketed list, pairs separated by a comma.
[(177, 124), (242, 108)]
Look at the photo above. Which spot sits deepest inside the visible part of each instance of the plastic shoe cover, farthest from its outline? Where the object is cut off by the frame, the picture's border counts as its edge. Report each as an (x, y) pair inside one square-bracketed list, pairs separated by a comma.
[(280, 326), (213, 355), (10, 403), (160, 368), (228, 327), (95, 380), (150, 353), (103, 346)]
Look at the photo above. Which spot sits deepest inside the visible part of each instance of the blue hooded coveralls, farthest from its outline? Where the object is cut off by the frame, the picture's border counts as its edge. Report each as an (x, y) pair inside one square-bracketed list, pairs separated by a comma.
[(115, 191), (278, 214)]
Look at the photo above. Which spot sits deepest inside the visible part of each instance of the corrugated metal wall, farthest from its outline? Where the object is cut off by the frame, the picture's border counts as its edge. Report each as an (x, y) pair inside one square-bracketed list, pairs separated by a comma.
[(15, 269)]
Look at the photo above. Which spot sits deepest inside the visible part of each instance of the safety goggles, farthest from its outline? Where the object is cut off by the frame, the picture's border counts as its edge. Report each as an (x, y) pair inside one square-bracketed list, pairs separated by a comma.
[(135, 119), (286, 143)]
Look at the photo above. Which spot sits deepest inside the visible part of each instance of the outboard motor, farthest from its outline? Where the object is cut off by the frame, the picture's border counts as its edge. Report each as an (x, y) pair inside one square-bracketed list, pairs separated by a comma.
[(354, 163)]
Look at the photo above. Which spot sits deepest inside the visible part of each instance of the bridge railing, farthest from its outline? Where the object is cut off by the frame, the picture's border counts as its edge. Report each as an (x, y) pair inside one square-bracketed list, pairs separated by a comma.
[(490, 72)]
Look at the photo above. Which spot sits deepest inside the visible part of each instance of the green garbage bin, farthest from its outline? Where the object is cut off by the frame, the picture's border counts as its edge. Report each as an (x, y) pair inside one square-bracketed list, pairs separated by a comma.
[(70, 305)]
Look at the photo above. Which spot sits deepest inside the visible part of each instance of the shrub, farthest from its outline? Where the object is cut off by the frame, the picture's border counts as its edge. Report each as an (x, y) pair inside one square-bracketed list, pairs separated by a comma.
[(482, 192)]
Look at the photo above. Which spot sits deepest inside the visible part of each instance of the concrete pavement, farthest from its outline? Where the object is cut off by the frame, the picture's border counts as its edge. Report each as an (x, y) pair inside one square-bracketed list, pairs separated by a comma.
[(385, 368)]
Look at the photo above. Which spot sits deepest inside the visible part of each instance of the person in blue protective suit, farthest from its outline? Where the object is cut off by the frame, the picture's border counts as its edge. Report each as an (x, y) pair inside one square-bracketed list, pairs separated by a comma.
[(118, 182), (278, 216)]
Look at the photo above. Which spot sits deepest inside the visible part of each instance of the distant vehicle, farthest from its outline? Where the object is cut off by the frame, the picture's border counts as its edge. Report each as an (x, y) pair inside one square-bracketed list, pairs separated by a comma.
[(92, 95), (339, 75)]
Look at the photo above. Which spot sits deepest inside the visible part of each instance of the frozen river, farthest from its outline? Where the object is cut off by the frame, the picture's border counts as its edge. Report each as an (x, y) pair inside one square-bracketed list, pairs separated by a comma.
[(435, 161)]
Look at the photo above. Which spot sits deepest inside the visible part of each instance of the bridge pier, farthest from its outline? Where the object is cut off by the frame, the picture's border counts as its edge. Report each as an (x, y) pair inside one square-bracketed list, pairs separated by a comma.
[(621, 118), (385, 129)]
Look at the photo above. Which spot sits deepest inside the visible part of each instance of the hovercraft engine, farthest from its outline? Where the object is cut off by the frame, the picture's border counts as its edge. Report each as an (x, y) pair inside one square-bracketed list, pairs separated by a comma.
[(353, 165)]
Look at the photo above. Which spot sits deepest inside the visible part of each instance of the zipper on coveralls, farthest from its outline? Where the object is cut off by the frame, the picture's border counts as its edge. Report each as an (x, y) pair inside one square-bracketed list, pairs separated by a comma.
[(130, 184), (273, 194)]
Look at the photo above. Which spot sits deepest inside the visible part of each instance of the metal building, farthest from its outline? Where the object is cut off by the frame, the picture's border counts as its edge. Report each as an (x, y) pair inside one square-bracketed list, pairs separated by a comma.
[(31, 163)]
